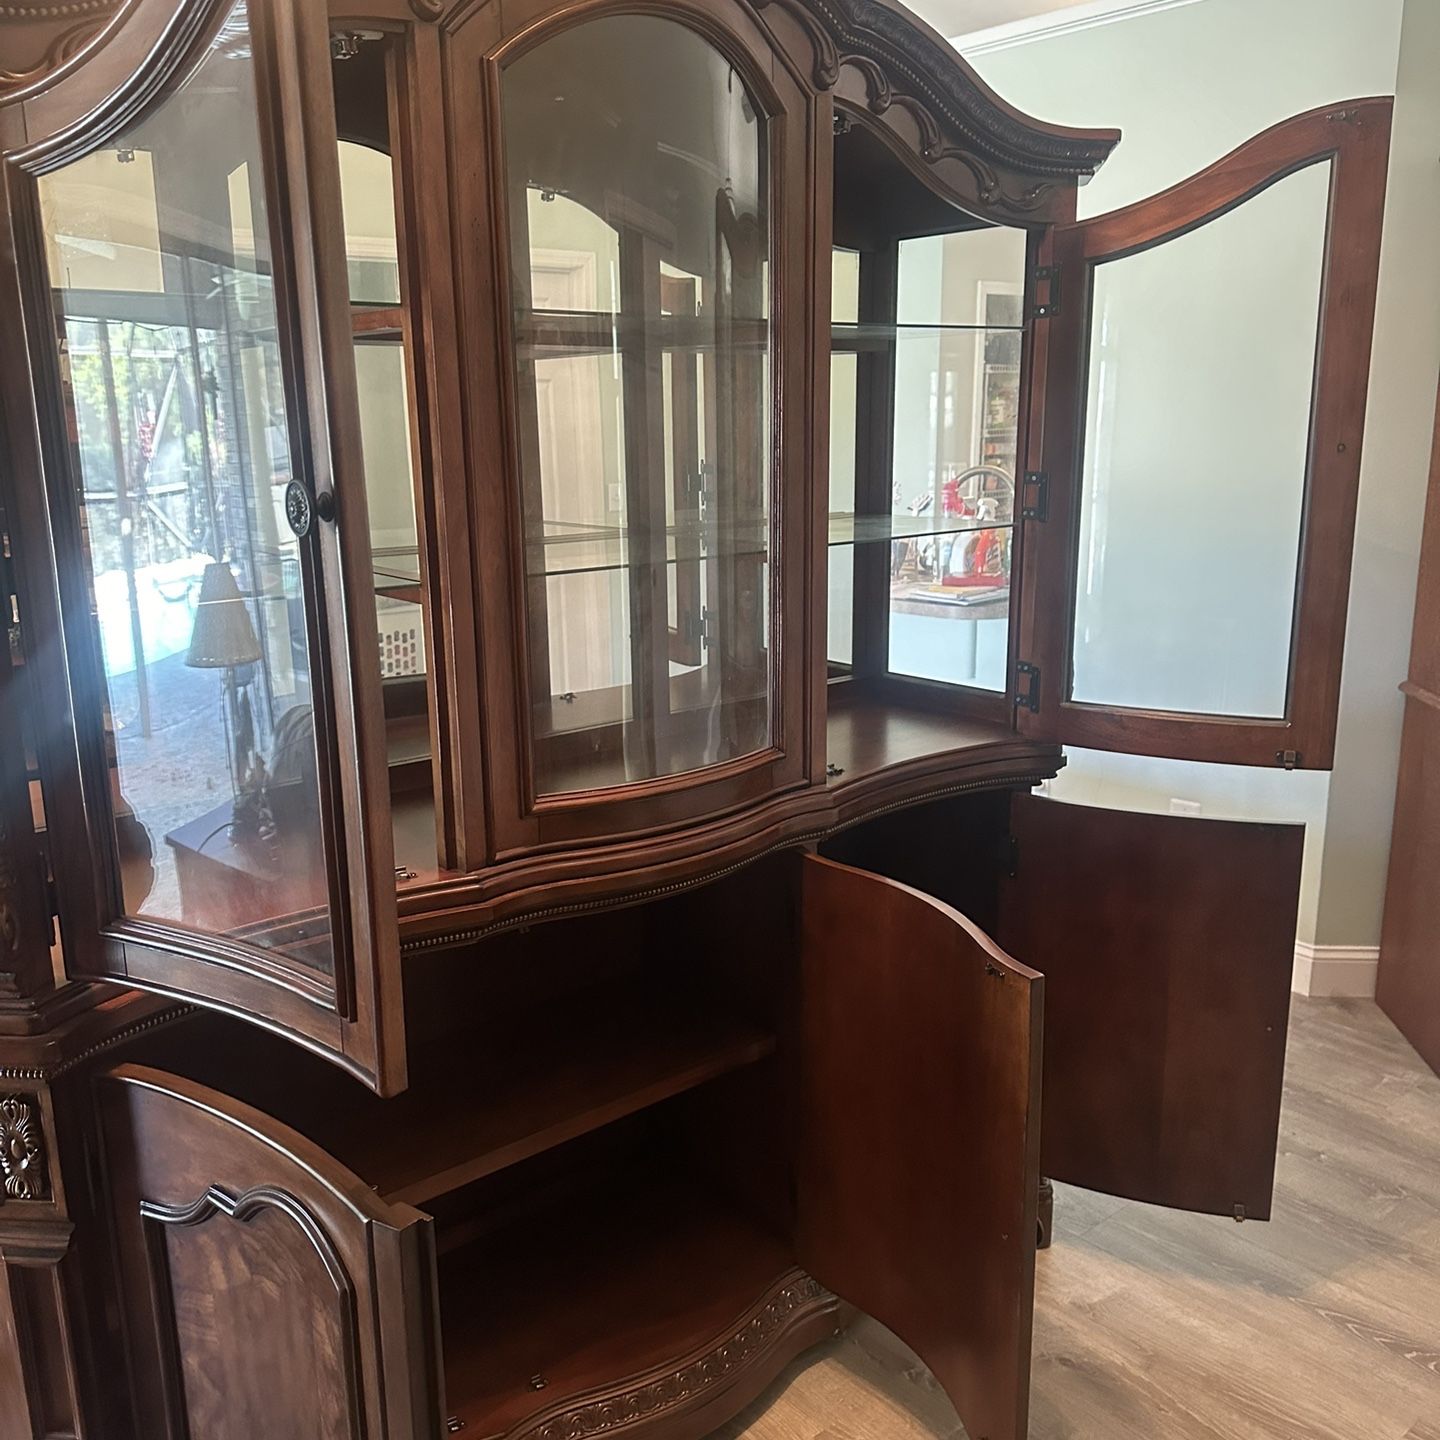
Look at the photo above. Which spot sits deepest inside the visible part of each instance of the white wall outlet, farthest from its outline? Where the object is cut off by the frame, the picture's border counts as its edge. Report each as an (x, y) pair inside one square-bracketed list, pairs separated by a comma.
[(1185, 807)]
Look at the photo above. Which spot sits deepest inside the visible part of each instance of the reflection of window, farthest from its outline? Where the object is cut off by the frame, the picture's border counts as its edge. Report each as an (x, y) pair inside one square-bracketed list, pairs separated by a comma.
[(997, 388), (367, 201), (101, 223)]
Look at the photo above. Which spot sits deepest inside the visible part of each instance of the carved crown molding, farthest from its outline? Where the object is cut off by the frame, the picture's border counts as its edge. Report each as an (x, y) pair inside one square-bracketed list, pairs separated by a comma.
[(22, 1149), (38, 38), (904, 62)]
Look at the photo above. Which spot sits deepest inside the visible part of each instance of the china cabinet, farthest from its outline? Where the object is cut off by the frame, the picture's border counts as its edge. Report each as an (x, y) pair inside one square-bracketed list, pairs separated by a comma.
[(547, 550)]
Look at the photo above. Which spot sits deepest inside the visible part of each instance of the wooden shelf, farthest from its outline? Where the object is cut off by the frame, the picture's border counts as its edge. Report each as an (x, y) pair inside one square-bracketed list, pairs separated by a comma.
[(531, 1085), (518, 1100), (647, 1291), (866, 735)]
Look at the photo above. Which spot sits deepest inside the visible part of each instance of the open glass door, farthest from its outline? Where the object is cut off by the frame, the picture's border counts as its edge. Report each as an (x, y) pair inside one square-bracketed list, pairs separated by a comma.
[(215, 565), (1190, 523)]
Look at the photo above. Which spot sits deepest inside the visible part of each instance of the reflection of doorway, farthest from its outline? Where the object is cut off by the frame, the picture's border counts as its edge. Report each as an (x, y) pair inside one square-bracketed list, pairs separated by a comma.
[(1000, 308), (589, 647)]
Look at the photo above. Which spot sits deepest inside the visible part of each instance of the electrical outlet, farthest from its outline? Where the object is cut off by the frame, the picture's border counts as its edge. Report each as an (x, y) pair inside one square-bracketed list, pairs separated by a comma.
[(1185, 807)]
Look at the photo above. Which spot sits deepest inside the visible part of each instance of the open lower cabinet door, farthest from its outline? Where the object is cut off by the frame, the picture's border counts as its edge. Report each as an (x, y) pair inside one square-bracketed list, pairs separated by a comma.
[(263, 1289), (1167, 945), (917, 1183)]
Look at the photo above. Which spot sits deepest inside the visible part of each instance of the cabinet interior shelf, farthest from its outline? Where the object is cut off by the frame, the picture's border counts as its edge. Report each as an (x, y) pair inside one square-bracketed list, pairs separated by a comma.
[(575, 334), (616, 1278), (849, 336), (471, 1114), (575, 549)]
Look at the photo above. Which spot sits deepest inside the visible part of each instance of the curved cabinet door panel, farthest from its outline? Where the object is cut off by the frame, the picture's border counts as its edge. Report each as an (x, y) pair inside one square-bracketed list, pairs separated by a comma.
[(919, 1142), (264, 1290), (1167, 945), (219, 813), (649, 190)]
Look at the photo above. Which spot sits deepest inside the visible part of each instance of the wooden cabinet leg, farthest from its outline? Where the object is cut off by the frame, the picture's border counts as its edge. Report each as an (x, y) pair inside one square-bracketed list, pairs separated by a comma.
[(1045, 1215)]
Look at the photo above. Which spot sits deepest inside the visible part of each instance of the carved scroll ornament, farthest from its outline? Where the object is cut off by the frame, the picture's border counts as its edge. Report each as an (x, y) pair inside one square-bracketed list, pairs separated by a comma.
[(36, 39), (22, 1149)]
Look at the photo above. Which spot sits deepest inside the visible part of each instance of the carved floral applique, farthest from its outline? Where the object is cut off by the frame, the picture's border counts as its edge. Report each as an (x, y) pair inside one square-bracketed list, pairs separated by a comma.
[(21, 1153)]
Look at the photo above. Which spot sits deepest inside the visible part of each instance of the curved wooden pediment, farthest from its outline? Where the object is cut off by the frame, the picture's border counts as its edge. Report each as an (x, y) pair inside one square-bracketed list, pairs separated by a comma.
[(39, 38), (884, 63)]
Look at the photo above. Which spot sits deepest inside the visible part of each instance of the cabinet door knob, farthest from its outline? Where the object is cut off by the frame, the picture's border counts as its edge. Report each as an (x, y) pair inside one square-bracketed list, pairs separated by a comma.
[(299, 509)]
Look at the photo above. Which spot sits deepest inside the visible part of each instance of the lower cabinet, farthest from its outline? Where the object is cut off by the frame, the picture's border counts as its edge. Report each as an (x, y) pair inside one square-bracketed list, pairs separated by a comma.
[(649, 1156)]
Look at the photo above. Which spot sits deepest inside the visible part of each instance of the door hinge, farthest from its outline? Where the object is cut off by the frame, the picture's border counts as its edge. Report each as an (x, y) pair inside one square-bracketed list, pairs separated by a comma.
[(1289, 759), (1047, 276), (1027, 691), (1035, 496), (1240, 1215)]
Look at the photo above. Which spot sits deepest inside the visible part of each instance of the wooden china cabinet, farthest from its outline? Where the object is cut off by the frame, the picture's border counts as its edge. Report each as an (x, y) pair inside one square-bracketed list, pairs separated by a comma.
[(547, 548)]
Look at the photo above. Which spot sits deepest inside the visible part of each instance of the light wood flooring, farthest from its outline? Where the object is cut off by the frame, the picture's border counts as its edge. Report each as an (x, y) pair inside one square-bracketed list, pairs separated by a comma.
[(1322, 1325)]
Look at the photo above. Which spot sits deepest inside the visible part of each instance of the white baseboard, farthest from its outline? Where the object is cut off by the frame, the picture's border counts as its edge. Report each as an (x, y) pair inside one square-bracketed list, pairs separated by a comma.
[(1336, 970)]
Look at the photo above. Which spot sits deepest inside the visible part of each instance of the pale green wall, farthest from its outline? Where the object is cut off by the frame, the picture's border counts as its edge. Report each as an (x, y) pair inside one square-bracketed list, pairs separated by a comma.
[(1187, 85), (1397, 443)]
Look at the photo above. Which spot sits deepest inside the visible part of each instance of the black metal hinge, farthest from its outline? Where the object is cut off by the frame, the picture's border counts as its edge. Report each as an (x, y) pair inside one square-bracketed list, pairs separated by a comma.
[(1027, 690), (1048, 277), (1035, 496), (1289, 759)]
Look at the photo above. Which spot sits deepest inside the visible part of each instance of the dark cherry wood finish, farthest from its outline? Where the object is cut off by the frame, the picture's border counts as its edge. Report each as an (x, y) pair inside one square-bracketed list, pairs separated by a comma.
[(666, 1139), (920, 1139), (331, 1288), (1167, 945), (1408, 986), (1355, 138)]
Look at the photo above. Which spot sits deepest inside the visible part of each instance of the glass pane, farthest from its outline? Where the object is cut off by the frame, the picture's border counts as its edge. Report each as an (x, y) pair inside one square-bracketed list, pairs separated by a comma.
[(844, 392), (640, 234), (957, 410), (845, 286), (1195, 460), (367, 201), (159, 254)]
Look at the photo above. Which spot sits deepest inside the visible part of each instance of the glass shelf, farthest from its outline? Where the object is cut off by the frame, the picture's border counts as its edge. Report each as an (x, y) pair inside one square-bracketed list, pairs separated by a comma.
[(569, 548), (848, 529), (397, 570), (568, 334), (878, 337)]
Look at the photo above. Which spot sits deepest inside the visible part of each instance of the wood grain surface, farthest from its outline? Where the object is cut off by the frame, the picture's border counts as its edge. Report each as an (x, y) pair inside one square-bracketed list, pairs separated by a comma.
[(1151, 1325)]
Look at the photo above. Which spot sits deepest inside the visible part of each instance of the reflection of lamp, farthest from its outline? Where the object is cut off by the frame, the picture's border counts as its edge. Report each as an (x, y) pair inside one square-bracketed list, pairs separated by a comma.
[(224, 639)]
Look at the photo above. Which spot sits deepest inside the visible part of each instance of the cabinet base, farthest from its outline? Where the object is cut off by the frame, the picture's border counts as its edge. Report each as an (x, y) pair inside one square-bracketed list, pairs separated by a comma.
[(700, 1391)]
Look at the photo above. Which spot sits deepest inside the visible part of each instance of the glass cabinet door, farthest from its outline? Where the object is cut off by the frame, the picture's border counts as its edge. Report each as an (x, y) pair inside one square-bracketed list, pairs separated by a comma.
[(1194, 509), (214, 449), (641, 231)]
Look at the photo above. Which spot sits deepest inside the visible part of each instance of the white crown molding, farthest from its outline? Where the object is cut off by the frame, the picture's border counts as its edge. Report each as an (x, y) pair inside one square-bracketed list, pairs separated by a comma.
[(1336, 970), (1068, 21)]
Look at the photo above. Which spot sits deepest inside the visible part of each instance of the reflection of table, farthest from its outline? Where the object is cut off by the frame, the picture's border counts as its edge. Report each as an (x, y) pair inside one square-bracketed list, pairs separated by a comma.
[(950, 602), (230, 883)]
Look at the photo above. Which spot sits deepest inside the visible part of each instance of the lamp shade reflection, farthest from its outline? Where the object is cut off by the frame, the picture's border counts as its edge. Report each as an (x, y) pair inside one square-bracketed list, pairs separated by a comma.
[(224, 635)]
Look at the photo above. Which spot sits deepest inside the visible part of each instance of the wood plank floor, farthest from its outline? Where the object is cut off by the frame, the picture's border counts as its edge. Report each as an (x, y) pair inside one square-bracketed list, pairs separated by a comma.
[(1322, 1325)]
